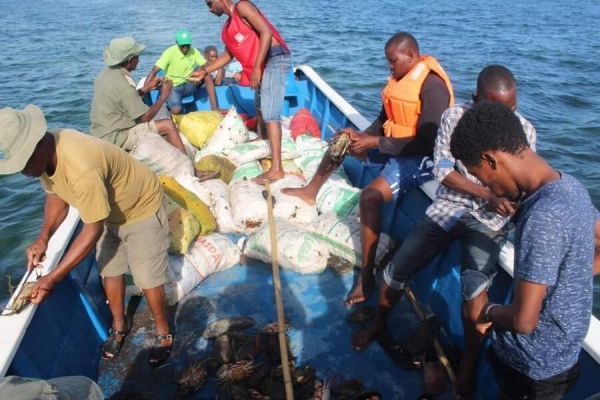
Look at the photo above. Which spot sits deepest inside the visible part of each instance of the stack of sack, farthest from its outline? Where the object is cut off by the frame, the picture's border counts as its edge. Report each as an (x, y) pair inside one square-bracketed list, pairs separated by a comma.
[(202, 213)]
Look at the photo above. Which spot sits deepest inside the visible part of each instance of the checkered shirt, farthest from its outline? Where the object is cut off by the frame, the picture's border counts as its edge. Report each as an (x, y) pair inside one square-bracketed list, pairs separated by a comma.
[(449, 204)]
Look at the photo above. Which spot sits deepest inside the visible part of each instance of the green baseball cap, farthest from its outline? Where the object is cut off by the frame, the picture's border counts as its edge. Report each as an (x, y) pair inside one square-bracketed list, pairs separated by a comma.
[(183, 38), (121, 49)]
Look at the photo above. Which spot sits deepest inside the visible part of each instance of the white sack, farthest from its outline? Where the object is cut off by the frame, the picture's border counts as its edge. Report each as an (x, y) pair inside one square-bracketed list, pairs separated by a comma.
[(297, 249), (162, 158)]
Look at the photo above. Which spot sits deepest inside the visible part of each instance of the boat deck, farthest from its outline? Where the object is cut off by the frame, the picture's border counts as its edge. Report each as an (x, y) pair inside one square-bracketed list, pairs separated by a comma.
[(320, 334)]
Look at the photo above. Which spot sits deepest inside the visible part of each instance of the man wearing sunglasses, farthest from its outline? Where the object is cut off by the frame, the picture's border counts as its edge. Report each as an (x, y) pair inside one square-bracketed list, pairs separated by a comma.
[(265, 57)]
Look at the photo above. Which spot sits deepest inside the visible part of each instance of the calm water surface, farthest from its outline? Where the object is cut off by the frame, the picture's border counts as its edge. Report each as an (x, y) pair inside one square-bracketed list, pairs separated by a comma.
[(52, 50)]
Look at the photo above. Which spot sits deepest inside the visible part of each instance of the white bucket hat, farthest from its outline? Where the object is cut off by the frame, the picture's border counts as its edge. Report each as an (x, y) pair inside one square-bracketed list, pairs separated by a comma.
[(20, 132)]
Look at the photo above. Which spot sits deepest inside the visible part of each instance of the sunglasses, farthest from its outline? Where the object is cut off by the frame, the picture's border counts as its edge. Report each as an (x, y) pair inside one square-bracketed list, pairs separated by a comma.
[(209, 3)]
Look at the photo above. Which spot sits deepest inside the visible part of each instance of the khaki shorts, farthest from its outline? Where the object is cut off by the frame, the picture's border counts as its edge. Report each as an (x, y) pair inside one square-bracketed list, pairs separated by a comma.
[(136, 132), (140, 247)]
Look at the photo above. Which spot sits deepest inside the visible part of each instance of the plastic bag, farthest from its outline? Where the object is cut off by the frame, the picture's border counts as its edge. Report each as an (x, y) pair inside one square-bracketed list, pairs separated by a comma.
[(161, 157)]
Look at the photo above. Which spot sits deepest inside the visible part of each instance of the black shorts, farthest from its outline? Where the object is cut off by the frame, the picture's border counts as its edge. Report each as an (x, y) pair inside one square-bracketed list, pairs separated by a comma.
[(516, 385)]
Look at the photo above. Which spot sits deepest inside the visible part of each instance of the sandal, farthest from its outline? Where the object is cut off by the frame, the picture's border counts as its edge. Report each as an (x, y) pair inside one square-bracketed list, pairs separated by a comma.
[(158, 354), (112, 346)]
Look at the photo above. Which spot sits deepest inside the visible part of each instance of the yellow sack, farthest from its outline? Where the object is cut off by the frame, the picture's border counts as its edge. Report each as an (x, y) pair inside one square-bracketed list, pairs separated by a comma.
[(190, 202), (222, 165), (198, 126), (183, 227)]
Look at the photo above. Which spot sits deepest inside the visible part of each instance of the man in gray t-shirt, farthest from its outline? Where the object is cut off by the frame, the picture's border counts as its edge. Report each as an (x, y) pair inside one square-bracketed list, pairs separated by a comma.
[(536, 338)]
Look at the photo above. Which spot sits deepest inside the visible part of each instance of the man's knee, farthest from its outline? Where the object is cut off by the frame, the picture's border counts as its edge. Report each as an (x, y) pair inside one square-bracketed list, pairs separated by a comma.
[(370, 198), (166, 127), (175, 110)]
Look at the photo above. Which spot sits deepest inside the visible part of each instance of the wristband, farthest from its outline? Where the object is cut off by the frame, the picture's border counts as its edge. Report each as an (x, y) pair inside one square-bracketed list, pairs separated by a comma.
[(486, 312)]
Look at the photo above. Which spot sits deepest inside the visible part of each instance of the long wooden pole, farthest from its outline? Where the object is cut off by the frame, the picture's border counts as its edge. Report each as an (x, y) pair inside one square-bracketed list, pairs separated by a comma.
[(436, 342), (285, 363)]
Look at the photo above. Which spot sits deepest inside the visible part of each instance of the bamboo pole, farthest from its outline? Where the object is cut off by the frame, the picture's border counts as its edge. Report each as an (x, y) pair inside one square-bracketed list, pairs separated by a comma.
[(436, 342), (285, 364)]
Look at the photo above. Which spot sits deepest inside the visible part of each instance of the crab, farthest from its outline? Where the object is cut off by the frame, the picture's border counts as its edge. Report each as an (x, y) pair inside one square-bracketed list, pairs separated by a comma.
[(192, 379), (235, 372), (339, 145)]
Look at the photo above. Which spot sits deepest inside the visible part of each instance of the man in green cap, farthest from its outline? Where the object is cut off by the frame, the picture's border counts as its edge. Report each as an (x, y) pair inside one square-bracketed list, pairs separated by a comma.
[(178, 62), (118, 113), (120, 203)]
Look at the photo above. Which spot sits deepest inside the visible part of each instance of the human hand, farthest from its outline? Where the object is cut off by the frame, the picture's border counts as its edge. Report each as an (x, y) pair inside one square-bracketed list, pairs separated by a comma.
[(500, 205), (36, 253), (198, 74), (166, 88), (42, 288), (255, 78), (362, 142)]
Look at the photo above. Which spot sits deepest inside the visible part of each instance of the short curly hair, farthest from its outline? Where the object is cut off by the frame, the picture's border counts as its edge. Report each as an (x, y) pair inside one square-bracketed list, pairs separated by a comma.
[(487, 126)]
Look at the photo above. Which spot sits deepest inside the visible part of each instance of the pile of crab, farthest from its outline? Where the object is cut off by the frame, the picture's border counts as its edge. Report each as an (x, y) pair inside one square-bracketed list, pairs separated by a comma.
[(247, 365)]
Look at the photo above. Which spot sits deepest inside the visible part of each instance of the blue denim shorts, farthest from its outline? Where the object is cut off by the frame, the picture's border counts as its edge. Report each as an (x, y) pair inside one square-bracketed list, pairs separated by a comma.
[(179, 92), (480, 250), (269, 98), (403, 173)]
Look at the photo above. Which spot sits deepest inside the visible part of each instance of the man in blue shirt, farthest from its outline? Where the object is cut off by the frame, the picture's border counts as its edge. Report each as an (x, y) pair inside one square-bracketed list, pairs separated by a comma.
[(537, 338)]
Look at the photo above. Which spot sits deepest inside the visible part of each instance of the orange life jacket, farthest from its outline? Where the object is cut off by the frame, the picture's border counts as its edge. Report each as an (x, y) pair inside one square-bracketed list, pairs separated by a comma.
[(401, 98)]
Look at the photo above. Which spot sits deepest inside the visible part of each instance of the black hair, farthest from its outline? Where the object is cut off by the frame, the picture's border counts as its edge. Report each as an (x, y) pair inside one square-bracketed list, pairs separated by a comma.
[(210, 48), (495, 78), (487, 126), (405, 40)]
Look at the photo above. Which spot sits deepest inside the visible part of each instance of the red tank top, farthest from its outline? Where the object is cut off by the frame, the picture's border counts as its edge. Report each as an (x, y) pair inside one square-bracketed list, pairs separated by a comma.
[(243, 42)]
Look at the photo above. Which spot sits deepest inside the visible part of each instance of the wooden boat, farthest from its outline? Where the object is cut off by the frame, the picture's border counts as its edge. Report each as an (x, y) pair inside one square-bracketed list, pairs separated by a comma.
[(63, 336)]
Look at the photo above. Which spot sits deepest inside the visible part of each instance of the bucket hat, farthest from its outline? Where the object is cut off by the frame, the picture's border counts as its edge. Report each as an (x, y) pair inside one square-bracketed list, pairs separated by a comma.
[(121, 49), (20, 132), (183, 38)]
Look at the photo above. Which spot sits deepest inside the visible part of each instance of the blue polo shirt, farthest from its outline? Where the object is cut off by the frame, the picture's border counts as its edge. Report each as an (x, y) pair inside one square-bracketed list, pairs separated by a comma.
[(554, 246)]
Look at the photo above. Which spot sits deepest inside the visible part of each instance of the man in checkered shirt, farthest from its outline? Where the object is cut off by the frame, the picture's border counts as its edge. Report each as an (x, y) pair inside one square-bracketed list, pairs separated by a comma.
[(464, 210)]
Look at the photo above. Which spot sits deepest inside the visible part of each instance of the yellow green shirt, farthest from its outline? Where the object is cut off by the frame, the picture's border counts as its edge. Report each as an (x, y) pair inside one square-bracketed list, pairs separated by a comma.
[(175, 63), (102, 181)]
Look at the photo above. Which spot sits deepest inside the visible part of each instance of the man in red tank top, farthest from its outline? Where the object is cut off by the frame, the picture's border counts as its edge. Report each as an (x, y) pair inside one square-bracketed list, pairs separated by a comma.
[(265, 57)]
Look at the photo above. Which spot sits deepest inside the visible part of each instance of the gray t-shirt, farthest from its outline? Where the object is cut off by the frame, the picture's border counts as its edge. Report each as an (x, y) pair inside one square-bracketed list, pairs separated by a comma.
[(554, 246)]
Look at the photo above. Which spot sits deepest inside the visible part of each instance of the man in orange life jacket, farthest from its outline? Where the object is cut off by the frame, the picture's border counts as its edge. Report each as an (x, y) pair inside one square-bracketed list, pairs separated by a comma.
[(414, 99), (265, 57)]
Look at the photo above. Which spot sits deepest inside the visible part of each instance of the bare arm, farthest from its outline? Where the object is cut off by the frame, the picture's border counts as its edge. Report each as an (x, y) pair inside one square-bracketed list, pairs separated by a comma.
[(522, 315), (81, 247), (458, 182), (55, 212), (220, 62), (218, 80), (150, 77), (165, 90), (210, 90), (258, 23), (597, 249)]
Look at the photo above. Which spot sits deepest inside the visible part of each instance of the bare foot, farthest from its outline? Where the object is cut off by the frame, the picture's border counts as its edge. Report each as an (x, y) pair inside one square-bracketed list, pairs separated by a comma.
[(302, 193), (268, 176), (363, 289), (363, 338), (465, 381)]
